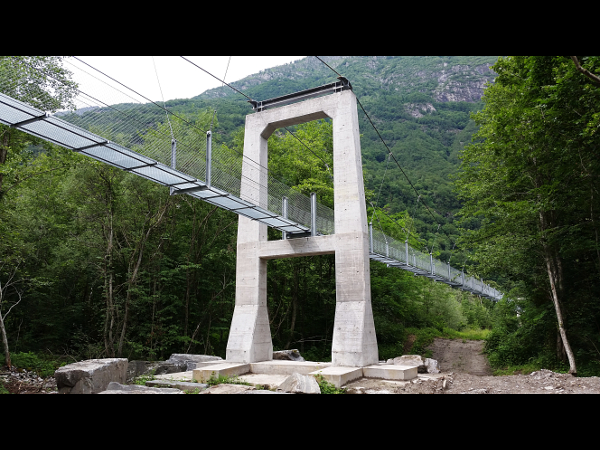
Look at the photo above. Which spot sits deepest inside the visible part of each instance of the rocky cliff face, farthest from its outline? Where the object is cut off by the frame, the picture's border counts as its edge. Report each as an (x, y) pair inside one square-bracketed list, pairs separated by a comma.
[(462, 83), (447, 79)]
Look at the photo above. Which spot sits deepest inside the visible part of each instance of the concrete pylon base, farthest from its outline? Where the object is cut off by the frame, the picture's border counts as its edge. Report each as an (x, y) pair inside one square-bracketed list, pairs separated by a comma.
[(336, 375)]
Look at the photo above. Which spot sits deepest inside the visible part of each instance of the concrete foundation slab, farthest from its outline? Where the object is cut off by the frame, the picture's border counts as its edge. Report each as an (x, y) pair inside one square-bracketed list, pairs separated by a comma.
[(269, 380), (203, 374), (389, 372), (282, 367), (339, 375)]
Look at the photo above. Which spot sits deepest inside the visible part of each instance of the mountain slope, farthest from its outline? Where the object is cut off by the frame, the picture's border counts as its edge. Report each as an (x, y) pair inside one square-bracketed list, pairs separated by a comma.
[(421, 106)]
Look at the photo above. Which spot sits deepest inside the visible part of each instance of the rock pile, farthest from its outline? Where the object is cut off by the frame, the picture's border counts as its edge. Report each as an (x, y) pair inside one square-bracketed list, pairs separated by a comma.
[(26, 382)]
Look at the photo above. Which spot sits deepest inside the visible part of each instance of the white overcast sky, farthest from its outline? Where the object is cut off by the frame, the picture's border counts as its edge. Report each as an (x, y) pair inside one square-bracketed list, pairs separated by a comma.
[(178, 78)]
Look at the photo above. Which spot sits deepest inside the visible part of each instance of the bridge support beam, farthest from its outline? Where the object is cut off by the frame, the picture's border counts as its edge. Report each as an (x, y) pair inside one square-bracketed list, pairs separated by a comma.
[(354, 342)]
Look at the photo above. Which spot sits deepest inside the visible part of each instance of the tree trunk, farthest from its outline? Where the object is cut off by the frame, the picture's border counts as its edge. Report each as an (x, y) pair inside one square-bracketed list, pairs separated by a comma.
[(294, 306), (4, 153), (554, 270), (4, 340), (109, 318)]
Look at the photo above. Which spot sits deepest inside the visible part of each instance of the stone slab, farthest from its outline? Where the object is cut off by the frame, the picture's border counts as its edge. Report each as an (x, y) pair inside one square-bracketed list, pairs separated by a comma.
[(144, 392), (390, 372), (118, 388), (282, 367), (228, 389), (339, 375), (182, 385), (203, 374), (179, 376)]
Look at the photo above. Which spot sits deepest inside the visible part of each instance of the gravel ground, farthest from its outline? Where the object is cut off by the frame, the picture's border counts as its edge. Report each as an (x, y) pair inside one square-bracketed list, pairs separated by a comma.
[(17, 381), (465, 370)]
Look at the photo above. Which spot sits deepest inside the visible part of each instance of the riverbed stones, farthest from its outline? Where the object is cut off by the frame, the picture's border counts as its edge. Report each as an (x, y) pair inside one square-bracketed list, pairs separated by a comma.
[(91, 376)]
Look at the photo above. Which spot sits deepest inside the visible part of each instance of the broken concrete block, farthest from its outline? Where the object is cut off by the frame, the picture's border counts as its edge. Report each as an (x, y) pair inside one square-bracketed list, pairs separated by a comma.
[(432, 365), (300, 384)]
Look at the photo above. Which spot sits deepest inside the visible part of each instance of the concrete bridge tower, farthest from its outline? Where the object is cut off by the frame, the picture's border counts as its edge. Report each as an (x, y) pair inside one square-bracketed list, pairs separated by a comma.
[(354, 342)]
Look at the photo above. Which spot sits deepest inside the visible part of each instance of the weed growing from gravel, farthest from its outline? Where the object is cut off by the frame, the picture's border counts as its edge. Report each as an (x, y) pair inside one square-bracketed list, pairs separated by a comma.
[(327, 387)]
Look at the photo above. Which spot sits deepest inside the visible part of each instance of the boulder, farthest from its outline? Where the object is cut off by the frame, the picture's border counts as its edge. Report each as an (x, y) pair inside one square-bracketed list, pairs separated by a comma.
[(288, 355), (411, 360), (300, 384), (91, 376), (139, 368)]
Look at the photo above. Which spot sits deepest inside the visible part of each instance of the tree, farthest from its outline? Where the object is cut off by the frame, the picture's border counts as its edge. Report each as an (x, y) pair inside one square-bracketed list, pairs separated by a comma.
[(533, 176), (40, 81), (5, 287)]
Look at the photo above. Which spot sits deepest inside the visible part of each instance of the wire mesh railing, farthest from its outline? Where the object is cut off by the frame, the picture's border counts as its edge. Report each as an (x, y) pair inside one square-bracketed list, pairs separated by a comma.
[(395, 253)]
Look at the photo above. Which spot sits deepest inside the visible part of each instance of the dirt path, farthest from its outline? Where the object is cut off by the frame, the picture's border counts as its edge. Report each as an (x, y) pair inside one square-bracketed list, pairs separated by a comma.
[(461, 356), (465, 370)]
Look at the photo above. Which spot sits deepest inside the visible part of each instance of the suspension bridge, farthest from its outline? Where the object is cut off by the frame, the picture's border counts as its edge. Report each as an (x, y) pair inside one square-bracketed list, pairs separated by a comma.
[(184, 160)]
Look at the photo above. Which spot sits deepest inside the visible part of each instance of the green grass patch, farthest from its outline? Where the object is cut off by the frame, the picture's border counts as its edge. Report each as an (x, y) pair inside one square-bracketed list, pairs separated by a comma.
[(523, 369), (468, 334), (141, 380), (224, 379)]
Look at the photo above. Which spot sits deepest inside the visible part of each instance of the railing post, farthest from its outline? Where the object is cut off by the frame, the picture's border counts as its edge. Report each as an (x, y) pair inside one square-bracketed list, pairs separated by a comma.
[(371, 237), (208, 156), (284, 213), (448, 270), (406, 248), (173, 160), (431, 264), (313, 214)]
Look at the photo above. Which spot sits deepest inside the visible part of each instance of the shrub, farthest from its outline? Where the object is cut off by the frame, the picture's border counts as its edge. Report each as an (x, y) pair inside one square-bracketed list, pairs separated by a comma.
[(32, 362)]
